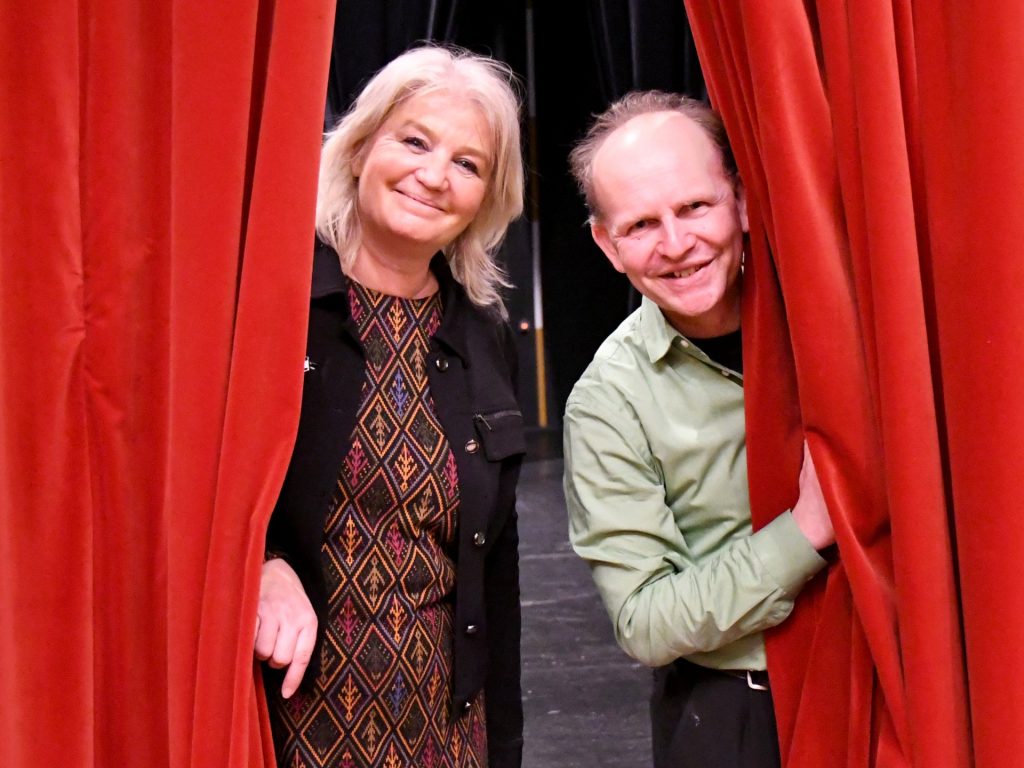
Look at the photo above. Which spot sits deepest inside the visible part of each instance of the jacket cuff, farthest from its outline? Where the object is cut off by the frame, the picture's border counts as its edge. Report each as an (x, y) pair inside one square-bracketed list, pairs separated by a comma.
[(509, 755)]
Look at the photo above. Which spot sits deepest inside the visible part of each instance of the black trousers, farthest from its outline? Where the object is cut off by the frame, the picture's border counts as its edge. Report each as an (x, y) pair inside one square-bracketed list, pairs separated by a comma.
[(702, 718)]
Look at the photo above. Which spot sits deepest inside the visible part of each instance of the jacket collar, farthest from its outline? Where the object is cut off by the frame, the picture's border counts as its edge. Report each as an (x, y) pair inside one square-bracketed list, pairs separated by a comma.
[(328, 280)]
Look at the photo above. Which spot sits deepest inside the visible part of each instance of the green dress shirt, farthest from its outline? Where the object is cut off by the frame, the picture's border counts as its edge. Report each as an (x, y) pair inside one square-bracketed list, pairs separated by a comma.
[(656, 487)]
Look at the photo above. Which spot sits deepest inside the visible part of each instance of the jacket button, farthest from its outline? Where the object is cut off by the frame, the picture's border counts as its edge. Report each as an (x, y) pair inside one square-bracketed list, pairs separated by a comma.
[(467, 706), (441, 364), (479, 538), (472, 629), (472, 446)]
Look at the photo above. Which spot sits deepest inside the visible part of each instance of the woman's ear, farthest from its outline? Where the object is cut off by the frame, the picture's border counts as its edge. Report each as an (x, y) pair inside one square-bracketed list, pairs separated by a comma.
[(359, 159)]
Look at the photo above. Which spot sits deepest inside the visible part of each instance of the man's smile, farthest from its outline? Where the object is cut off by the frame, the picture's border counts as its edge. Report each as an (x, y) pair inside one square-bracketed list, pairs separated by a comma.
[(682, 274)]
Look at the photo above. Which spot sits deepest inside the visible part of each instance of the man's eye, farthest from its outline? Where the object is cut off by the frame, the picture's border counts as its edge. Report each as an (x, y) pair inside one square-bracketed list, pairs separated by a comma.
[(639, 226), (696, 206)]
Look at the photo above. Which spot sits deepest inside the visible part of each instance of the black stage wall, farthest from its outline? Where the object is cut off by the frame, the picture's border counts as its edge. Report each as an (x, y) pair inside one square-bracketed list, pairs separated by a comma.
[(577, 67)]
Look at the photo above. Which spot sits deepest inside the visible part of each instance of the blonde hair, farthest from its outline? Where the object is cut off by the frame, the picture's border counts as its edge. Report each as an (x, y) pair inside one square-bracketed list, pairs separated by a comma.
[(429, 69), (634, 104)]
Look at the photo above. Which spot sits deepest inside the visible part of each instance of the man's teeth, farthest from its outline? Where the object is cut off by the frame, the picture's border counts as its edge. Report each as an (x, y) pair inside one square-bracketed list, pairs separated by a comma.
[(686, 272)]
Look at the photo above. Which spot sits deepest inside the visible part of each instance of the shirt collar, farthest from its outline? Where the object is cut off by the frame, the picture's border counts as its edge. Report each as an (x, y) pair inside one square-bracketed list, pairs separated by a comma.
[(658, 334)]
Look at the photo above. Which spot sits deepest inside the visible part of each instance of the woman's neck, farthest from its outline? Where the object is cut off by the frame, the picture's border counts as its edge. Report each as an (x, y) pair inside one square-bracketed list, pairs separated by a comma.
[(404, 276)]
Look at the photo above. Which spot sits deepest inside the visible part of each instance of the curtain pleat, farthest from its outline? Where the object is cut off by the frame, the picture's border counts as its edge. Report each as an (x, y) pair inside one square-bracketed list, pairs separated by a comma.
[(973, 169), (46, 508), (157, 180), (847, 166)]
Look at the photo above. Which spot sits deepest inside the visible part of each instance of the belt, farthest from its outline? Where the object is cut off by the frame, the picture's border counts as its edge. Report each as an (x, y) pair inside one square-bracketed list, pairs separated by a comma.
[(757, 679)]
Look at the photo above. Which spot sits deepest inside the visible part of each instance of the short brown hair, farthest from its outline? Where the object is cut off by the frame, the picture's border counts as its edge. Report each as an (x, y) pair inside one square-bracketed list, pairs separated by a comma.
[(634, 104)]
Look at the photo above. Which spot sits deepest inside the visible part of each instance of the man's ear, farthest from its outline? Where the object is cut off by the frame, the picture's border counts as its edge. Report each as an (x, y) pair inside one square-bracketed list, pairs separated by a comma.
[(741, 203), (604, 241)]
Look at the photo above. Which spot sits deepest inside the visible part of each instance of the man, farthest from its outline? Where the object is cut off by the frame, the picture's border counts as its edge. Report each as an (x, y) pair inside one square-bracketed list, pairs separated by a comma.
[(655, 460)]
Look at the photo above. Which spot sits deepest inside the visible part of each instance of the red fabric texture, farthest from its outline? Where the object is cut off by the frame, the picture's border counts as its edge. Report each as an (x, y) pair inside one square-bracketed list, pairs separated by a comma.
[(883, 318), (158, 168)]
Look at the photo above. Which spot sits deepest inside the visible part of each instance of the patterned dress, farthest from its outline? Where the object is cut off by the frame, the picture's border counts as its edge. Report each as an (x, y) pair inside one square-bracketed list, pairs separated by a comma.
[(383, 696)]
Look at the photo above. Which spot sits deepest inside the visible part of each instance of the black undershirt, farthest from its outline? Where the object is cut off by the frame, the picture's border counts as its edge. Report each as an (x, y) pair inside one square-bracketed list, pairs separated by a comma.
[(725, 350)]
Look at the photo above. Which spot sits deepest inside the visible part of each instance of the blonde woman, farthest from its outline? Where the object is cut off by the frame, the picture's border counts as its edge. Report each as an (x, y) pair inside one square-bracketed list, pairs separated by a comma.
[(392, 567)]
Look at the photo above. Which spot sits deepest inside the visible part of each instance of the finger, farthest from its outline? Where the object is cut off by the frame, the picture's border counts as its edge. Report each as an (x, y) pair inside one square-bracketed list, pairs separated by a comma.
[(303, 652), (807, 469), (266, 639), (256, 630), (284, 647)]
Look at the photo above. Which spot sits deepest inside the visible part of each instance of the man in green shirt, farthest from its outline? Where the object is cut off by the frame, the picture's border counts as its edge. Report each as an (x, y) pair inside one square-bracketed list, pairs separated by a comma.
[(655, 458)]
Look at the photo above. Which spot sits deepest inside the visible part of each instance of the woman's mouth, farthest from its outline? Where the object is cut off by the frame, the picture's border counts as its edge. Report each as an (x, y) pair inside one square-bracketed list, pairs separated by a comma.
[(421, 200)]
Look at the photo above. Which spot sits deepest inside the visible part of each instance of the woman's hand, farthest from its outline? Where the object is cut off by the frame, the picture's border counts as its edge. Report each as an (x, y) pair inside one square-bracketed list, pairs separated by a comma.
[(285, 623)]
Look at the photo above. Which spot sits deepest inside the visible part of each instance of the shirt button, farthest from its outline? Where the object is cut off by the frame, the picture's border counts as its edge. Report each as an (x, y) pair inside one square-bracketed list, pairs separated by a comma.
[(725, 372), (441, 364), (472, 629), (467, 706), (684, 343), (472, 446), (479, 538)]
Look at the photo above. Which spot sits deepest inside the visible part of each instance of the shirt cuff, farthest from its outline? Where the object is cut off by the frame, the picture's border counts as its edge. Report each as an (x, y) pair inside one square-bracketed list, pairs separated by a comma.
[(786, 553)]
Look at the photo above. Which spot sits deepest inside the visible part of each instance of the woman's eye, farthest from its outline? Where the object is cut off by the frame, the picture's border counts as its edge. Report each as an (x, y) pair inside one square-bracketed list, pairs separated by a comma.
[(468, 165), (415, 142)]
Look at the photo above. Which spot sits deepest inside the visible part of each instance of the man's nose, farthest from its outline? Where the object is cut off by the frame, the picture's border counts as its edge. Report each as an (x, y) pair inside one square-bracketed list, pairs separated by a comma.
[(432, 172), (677, 237)]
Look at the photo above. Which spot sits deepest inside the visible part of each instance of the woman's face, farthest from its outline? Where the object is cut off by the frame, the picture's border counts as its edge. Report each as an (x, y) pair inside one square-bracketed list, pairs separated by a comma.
[(423, 175)]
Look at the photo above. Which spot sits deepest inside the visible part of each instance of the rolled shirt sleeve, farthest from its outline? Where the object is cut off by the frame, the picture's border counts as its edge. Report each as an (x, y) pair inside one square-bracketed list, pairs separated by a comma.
[(656, 490)]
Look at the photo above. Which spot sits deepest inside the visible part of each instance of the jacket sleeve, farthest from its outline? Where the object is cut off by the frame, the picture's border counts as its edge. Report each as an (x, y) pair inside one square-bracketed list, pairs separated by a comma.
[(503, 689)]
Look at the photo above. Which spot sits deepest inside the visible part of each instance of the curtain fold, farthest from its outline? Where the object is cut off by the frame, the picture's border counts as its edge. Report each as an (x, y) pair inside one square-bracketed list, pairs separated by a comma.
[(157, 181), (880, 300), (973, 168)]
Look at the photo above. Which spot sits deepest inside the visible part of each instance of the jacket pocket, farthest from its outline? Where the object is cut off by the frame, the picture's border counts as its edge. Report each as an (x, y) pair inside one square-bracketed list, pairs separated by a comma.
[(501, 433)]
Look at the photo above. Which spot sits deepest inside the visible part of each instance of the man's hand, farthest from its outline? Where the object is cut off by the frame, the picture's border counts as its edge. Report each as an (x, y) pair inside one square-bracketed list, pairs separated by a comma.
[(285, 623), (810, 512)]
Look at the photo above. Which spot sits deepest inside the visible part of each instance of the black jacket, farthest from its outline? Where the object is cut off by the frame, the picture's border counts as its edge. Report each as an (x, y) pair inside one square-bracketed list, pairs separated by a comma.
[(471, 367)]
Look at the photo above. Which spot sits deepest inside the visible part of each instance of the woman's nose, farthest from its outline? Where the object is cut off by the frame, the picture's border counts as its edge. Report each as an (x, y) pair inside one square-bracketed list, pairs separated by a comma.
[(432, 171)]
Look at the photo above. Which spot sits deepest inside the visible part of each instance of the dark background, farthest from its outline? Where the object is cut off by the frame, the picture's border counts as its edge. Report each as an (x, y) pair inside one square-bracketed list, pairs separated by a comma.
[(605, 49)]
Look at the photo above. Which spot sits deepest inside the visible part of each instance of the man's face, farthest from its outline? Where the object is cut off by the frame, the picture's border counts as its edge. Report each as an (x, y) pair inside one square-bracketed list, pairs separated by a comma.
[(672, 221)]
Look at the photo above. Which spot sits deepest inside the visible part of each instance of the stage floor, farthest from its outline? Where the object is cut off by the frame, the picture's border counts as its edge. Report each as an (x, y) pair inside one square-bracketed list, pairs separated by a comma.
[(585, 701)]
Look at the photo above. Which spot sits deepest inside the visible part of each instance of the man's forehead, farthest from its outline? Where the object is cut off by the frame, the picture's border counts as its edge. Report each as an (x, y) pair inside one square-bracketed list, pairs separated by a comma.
[(649, 134), (648, 147)]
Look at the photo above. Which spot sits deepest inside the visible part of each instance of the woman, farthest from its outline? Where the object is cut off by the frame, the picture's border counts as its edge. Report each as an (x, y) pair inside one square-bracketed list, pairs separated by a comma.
[(392, 561)]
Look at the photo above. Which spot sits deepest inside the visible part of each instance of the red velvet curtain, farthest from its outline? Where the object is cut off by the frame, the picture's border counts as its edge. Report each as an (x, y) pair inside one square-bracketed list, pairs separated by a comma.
[(879, 143), (157, 181)]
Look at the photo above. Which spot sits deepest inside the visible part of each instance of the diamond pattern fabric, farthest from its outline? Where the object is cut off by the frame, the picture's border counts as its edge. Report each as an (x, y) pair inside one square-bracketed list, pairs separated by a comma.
[(383, 696)]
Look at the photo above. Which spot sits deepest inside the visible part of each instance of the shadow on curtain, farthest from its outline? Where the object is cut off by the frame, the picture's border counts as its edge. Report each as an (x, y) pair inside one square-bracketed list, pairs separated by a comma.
[(157, 182), (881, 157)]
